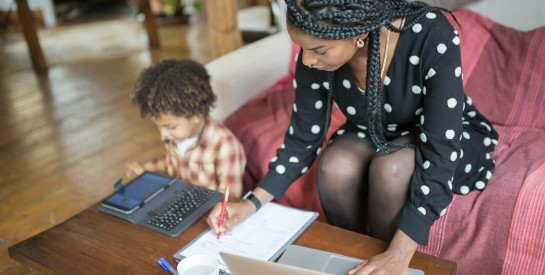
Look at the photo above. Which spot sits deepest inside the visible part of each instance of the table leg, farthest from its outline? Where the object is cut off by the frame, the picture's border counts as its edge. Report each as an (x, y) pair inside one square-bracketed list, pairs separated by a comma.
[(31, 37), (149, 22), (223, 30)]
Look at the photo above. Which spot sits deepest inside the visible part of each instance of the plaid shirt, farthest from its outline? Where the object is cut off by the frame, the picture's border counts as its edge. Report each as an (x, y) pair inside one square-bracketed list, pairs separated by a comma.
[(216, 159)]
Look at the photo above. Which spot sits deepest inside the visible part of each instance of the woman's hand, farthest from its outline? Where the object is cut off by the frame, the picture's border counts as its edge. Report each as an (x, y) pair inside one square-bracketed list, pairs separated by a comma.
[(236, 212), (384, 263), (395, 260)]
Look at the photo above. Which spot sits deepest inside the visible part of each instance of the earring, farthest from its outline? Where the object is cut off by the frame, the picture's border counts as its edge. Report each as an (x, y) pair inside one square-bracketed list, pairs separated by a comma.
[(360, 43)]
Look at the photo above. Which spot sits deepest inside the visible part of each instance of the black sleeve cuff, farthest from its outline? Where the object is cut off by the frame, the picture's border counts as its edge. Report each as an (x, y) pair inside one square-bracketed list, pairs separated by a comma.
[(414, 224), (275, 184)]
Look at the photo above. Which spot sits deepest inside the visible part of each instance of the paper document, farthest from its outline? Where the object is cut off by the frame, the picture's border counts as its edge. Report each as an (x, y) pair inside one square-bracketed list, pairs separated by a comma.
[(263, 236)]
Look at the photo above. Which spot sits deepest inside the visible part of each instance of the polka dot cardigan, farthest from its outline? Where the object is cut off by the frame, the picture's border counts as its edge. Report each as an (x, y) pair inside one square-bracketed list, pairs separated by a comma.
[(423, 97)]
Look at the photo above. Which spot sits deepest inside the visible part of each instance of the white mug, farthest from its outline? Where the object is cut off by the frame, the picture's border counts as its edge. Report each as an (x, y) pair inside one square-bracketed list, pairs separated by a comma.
[(198, 265)]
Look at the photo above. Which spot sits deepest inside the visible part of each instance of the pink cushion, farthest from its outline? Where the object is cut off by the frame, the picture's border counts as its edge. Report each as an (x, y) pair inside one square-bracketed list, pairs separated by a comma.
[(293, 61), (497, 231), (503, 70)]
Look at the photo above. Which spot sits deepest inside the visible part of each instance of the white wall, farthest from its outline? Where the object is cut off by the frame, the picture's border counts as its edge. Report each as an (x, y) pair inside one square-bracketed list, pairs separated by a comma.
[(519, 14)]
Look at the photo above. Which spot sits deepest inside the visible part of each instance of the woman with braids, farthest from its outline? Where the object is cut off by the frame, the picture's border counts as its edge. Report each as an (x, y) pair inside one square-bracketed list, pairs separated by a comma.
[(411, 136)]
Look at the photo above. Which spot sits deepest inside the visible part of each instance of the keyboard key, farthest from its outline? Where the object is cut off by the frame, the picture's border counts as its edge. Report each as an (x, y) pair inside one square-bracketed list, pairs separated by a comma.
[(187, 201)]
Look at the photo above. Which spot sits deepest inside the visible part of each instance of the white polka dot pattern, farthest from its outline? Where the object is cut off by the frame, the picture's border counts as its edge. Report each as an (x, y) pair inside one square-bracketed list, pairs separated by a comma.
[(417, 28), (422, 210), (441, 48), (426, 164), (453, 156), (425, 189), (387, 108), (346, 84), (458, 71), (487, 141), (416, 90), (319, 104), (449, 134), (431, 73), (442, 133), (326, 85), (423, 137), (452, 102), (456, 40)]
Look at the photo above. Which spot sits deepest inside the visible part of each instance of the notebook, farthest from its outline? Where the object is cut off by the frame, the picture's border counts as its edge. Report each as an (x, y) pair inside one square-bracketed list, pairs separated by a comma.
[(160, 203), (263, 236), (296, 260)]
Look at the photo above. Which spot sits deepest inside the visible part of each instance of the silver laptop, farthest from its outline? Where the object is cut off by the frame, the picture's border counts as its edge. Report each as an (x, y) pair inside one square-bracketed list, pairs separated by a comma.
[(297, 260)]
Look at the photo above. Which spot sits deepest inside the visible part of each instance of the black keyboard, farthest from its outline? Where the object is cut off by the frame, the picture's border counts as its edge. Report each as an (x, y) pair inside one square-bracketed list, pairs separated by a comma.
[(186, 202)]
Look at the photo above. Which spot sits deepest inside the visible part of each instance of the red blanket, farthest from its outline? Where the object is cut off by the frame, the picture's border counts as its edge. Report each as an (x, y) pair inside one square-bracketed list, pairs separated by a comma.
[(497, 231)]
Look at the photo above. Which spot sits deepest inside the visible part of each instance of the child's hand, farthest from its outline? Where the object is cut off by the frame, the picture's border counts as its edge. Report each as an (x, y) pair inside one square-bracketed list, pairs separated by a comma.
[(134, 169)]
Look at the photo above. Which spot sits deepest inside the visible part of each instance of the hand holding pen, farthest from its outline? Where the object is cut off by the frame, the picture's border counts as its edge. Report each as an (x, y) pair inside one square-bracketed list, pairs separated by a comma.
[(223, 209)]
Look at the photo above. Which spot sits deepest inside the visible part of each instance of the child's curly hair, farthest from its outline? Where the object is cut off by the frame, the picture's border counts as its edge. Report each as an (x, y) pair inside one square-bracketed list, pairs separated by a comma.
[(179, 87)]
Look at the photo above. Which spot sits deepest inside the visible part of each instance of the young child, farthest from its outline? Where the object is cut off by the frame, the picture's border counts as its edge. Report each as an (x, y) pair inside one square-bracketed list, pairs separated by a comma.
[(177, 97)]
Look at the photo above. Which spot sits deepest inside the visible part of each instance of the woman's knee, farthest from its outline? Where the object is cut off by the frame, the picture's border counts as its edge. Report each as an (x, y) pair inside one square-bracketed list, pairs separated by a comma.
[(395, 167), (343, 161)]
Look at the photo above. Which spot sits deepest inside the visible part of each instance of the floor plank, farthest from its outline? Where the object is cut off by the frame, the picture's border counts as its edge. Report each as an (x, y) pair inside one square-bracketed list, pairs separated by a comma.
[(67, 133)]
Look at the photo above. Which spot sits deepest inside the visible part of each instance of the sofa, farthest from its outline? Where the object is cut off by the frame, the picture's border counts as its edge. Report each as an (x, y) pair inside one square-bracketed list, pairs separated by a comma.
[(496, 231)]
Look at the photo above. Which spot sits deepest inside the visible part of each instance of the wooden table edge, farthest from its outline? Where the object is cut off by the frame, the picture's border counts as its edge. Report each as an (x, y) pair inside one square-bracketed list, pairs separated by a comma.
[(347, 243)]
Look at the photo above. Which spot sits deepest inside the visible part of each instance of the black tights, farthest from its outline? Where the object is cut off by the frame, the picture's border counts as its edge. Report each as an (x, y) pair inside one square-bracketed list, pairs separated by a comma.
[(362, 190)]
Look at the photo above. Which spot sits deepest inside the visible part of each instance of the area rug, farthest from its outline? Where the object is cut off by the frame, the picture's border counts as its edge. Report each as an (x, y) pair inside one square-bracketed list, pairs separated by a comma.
[(82, 42)]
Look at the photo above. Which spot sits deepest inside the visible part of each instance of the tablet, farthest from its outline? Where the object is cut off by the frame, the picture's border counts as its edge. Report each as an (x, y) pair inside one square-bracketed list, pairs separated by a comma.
[(137, 192)]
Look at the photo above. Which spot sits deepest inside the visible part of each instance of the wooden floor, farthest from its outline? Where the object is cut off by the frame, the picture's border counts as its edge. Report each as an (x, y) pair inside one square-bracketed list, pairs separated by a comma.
[(66, 133)]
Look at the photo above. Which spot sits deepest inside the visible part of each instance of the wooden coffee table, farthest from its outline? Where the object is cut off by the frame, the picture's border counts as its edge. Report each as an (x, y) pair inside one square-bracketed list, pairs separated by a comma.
[(95, 243)]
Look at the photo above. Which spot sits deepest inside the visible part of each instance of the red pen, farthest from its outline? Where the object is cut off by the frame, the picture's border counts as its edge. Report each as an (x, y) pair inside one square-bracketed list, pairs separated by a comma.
[(223, 208)]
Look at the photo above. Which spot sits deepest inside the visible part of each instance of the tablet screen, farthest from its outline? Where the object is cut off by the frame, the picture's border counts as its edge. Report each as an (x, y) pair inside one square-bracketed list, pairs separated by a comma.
[(137, 192)]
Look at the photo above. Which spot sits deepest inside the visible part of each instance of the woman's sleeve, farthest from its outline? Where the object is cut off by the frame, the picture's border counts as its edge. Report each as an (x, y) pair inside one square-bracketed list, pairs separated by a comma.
[(438, 144), (305, 134)]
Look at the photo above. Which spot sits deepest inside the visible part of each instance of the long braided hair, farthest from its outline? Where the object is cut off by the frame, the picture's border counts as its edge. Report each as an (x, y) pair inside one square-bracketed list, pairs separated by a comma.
[(340, 19)]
